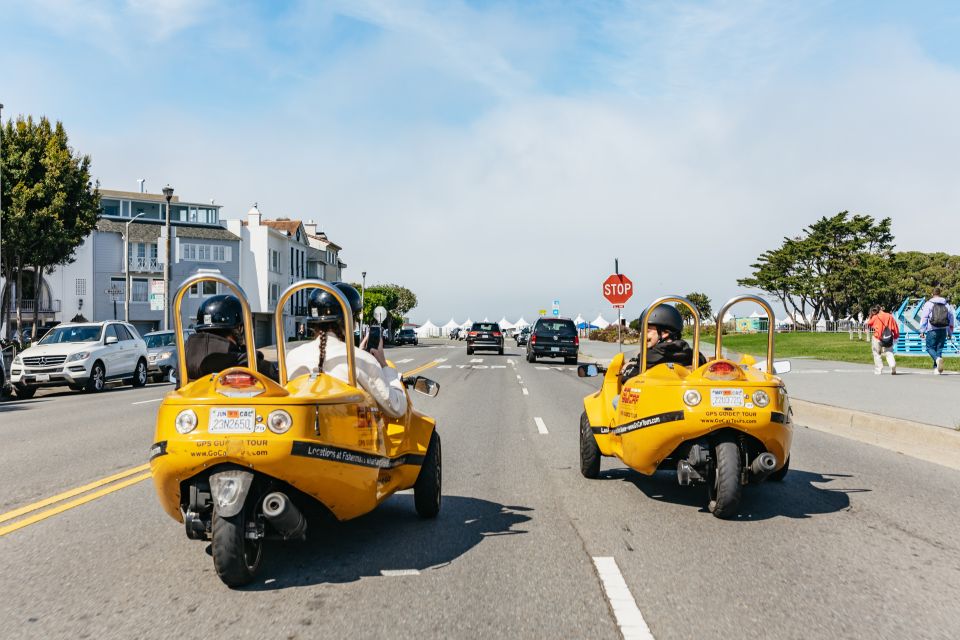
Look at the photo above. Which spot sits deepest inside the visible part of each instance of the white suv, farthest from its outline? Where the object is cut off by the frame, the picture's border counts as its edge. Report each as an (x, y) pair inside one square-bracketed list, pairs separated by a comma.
[(83, 356)]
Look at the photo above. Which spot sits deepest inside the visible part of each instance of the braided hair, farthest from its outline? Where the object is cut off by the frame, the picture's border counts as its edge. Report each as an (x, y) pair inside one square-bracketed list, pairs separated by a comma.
[(323, 349), (320, 332)]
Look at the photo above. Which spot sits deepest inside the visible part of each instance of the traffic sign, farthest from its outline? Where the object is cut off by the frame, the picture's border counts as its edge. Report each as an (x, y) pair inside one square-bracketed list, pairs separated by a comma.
[(617, 289), (556, 313), (543, 312), (380, 314)]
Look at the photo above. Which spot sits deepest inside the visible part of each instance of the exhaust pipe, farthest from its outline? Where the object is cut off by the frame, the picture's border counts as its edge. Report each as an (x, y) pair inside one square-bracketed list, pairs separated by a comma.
[(763, 465), (284, 516), (686, 474)]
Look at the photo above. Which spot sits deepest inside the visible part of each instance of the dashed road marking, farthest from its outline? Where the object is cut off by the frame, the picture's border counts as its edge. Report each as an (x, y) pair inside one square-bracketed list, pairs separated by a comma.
[(148, 401), (392, 573), (445, 366), (548, 368), (406, 360), (541, 426), (498, 366), (509, 361), (525, 392), (481, 360), (625, 609)]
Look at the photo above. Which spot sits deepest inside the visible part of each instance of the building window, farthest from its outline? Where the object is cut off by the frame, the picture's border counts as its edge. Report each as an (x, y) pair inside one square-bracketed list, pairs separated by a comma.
[(139, 290), (275, 261), (190, 252), (219, 253), (204, 289), (81, 286), (274, 293)]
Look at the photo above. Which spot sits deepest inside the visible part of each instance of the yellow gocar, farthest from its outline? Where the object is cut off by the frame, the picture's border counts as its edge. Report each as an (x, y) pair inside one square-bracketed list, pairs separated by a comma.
[(237, 456), (724, 424)]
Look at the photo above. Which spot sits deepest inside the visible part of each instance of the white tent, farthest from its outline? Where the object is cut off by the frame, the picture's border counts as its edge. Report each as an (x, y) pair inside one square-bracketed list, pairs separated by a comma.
[(467, 324), (578, 320), (450, 326), (521, 323), (428, 330), (600, 322), (757, 314), (505, 324)]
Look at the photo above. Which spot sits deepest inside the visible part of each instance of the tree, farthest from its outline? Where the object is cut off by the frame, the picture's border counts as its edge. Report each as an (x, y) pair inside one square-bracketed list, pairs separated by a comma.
[(50, 205), (396, 299), (702, 302)]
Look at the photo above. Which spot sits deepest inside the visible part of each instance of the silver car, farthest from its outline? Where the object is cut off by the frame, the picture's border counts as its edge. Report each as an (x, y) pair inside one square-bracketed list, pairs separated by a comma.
[(162, 354)]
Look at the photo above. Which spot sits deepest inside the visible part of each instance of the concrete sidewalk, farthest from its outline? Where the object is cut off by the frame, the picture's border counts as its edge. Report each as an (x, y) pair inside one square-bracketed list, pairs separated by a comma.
[(915, 395)]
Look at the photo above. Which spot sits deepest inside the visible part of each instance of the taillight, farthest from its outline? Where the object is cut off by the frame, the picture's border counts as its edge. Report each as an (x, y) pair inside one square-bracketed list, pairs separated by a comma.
[(239, 384), (722, 370), (576, 341), (496, 334), (533, 339), (472, 334)]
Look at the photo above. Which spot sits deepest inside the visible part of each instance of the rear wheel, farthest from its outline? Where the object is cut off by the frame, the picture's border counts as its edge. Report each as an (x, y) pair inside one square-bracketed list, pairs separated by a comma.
[(780, 474), (572, 360), (723, 487), (97, 379), (25, 392), (426, 491), (140, 374), (589, 451), (500, 351), (531, 356), (469, 351), (235, 557)]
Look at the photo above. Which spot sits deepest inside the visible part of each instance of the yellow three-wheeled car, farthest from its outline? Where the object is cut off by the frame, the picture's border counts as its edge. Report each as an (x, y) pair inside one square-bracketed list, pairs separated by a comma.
[(235, 453), (724, 424)]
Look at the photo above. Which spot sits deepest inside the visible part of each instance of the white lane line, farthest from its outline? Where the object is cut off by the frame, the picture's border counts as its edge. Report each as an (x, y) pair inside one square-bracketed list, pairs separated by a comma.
[(509, 361), (406, 360), (503, 366), (440, 359), (625, 609), (541, 427), (519, 378), (447, 366), (548, 368), (481, 360), (392, 573), (526, 393), (158, 400)]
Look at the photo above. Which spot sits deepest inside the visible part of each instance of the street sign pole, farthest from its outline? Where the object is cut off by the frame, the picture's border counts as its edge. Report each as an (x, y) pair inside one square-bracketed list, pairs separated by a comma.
[(616, 270)]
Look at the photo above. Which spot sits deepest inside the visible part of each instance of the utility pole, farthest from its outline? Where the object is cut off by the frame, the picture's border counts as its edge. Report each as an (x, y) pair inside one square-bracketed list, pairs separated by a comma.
[(616, 270), (167, 193)]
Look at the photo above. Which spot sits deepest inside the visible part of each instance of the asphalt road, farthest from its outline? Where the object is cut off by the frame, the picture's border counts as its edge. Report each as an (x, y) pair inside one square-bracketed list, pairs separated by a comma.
[(857, 542)]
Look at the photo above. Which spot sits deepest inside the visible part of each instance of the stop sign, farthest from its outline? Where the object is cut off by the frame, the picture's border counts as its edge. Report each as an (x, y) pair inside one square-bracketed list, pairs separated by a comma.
[(617, 289)]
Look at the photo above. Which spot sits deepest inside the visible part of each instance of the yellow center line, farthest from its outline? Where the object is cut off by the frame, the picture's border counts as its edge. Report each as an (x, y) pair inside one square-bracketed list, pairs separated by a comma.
[(419, 369), (43, 515), (16, 513)]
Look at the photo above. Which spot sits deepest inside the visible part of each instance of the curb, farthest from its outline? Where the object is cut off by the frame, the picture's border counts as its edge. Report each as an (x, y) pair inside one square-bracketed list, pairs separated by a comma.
[(939, 445)]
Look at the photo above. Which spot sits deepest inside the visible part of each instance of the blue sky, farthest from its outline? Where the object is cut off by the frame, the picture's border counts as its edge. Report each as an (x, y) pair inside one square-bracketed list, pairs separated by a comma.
[(508, 151)]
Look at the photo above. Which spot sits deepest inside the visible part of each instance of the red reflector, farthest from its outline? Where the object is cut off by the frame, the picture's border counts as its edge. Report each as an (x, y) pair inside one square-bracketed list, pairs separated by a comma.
[(239, 380), (721, 368)]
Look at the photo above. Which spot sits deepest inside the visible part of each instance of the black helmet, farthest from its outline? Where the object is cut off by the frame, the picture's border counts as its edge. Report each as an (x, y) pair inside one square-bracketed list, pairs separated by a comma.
[(219, 312), (666, 317), (323, 307)]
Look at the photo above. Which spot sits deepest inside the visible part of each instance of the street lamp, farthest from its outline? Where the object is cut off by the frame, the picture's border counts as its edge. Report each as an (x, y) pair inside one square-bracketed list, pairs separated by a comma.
[(126, 266), (167, 193)]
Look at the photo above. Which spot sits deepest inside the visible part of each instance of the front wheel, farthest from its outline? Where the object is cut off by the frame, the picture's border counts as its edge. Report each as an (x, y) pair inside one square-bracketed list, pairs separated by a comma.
[(97, 379), (589, 451), (426, 491), (724, 487), (140, 374), (235, 557)]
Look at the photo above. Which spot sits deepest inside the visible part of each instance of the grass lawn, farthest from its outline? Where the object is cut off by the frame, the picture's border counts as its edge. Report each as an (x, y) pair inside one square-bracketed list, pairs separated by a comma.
[(824, 346)]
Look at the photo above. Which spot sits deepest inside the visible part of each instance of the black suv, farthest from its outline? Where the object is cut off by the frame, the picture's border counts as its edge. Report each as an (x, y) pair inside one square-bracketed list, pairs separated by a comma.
[(522, 336), (405, 336), (554, 338), (484, 335)]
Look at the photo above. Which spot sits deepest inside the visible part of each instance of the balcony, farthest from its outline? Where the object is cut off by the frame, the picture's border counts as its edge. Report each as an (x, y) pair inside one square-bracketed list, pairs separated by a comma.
[(145, 265), (27, 306)]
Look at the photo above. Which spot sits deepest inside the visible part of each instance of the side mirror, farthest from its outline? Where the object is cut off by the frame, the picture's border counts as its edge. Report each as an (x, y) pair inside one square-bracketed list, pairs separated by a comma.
[(426, 386), (111, 340), (587, 371)]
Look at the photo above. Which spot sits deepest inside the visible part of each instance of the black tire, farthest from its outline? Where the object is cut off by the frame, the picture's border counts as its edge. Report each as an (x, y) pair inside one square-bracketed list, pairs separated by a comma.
[(426, 491), (235, 557), (572, 360), (97, 380), (531, 356), (724, 487), (469, 351), (780, 474), (76, 387), (500, 351), (25, 392), (139, 374), (589, 451)]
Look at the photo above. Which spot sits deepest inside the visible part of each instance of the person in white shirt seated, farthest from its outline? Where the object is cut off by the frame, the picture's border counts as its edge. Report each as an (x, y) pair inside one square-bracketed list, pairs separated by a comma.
[(328, 352)]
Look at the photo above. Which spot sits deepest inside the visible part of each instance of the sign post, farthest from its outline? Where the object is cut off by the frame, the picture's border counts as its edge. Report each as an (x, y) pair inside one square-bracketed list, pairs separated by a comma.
[(617, 289), (114, 292)]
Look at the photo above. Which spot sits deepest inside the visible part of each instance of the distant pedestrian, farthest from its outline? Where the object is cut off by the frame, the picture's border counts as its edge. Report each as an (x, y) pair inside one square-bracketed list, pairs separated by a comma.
[(936, 323), (884, 336)]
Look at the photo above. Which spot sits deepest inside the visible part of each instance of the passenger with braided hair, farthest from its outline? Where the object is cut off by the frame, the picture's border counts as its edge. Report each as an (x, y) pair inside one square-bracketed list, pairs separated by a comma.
[(328, 352)]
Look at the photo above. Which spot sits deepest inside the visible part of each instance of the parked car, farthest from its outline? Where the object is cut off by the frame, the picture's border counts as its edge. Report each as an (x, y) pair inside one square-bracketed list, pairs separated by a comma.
[(83, 356), (162, 354), (522, 336), (455, 333), (554, 338), (484, 335), (406, 336)]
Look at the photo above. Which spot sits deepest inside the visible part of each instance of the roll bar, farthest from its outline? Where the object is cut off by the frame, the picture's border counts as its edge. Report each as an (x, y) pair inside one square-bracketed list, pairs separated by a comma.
[(204, 276), (347, 325), (696, 328), (771, 321)]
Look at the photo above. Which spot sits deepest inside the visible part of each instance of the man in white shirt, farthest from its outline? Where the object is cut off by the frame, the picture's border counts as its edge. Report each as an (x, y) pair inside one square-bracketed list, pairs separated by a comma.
[(328, 352)]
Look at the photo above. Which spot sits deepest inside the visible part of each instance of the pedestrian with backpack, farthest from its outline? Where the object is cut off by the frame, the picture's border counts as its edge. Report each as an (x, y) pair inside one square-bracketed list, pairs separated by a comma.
[(937, 319), (884, 336)]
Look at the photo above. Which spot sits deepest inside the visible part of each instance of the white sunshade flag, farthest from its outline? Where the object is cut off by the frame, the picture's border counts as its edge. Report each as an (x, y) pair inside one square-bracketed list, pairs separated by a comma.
[(600, 322)]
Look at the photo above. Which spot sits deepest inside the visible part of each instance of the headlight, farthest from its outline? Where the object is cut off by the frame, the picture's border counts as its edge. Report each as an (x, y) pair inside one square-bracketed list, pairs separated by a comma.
[(692, 397), (761, 398), (186, 421), (17, 360), (82, 355), (279, 421), (164, 355)]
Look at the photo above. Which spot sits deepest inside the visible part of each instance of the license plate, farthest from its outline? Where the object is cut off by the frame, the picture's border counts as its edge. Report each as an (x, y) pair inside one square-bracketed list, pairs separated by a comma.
[(726, 397), (554, 348), (232, 421), (42, 377)]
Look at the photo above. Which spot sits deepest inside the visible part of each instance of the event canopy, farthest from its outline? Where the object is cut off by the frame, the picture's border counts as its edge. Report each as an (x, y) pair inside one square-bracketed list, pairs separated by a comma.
[(428, 330), (450, 326), (467, 324), (521, 323), (599, 322), (505, 324)]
